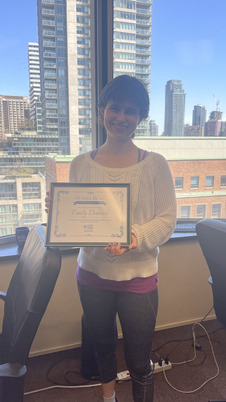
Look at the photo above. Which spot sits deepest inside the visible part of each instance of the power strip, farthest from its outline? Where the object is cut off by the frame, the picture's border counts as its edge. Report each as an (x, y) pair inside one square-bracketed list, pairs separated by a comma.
[(156, 367), (123, 375)]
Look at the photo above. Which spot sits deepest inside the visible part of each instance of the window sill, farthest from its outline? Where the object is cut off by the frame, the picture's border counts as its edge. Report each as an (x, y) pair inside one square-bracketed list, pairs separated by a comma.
[(183, 236), (9, 250)]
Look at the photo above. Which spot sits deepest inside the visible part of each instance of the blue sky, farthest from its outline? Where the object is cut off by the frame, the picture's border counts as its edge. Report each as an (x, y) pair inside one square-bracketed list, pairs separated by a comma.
[(188, 43)]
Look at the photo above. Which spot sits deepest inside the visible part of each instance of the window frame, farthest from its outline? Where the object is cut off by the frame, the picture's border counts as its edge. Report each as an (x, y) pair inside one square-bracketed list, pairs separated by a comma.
[(189, 208), (179, 187), (194, 186), (212, 184)]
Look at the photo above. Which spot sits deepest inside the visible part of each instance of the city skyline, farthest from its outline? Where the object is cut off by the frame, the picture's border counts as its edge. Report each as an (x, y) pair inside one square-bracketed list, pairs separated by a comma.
[(194, 56)]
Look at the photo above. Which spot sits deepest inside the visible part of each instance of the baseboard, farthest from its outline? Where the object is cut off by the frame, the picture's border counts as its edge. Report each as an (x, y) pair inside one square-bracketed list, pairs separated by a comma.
[(158, 328)]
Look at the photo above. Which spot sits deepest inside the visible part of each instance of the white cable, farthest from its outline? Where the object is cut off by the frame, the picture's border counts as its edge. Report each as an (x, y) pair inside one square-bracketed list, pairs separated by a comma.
[(61, 386), (214, 357)]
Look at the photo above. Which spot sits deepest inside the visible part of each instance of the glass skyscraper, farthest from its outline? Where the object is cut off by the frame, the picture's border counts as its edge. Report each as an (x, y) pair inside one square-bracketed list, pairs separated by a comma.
[(199, 116), (174, 109)]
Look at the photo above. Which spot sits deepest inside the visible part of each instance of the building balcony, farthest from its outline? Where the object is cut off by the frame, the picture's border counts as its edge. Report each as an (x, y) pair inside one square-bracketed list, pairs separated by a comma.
[(48, 23), (49, 75), (144, 32), (51, 65), (50, 96), (48, 1), (142, 70), (146, 62), (142, 11), (143, 51), (49, 54), (51, 106), (50, 86), (145, 22), (143, 41), (140, 2), (48, 33), (48, 43), (47, 11)]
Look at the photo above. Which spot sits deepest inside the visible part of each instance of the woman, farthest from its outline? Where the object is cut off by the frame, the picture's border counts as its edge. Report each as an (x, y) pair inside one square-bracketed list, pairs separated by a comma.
[(115, 279)]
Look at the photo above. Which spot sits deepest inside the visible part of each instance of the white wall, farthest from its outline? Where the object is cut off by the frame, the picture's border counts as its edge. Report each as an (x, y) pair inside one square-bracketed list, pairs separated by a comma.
[(184, 296), (181, 148)]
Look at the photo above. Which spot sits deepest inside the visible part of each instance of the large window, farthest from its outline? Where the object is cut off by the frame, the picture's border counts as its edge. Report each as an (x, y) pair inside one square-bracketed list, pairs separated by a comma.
[(80, 49)]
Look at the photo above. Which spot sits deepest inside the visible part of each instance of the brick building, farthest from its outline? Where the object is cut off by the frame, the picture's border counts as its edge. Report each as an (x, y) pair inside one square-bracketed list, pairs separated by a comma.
[(198, 167), (200, 188), (14, 114), (57, 169)]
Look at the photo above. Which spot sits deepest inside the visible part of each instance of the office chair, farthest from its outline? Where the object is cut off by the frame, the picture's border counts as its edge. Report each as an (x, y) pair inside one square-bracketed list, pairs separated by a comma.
[(212, 239), (25, 302)]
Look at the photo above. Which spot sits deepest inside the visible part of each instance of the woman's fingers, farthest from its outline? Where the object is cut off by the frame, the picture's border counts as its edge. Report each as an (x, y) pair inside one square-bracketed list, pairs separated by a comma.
[(47, 201), (116, 249)]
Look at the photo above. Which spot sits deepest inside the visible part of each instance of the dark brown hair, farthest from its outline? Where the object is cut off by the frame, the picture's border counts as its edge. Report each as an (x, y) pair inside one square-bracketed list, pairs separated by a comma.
[(126, 88)]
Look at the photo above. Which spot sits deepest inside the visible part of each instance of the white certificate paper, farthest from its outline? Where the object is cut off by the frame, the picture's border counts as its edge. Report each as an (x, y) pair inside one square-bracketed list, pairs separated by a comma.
[(88, 214)]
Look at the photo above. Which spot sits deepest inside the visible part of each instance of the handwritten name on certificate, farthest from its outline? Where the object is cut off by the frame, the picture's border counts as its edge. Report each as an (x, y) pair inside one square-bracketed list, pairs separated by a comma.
[(89, 214)]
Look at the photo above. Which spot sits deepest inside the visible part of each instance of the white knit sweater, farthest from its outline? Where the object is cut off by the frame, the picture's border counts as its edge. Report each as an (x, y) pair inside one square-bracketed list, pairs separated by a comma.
[(153, 215)]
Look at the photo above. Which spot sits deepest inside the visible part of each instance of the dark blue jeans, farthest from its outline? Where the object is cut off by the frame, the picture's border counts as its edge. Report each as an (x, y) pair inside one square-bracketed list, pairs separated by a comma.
[(137, 313)]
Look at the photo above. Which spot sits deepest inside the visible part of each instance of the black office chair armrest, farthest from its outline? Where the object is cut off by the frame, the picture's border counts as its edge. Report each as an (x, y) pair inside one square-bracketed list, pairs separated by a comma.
[(12, 370), (12, 377), (2, 296)]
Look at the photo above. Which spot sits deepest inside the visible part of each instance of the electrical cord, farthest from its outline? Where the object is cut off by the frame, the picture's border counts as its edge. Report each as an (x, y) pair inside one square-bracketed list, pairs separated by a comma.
[(61, 386), (194, 357), (185, 338), (65, 375)]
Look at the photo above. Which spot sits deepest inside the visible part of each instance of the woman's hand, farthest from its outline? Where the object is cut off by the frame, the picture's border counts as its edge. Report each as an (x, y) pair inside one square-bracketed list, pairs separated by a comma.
[(47, 201), (116, 249)]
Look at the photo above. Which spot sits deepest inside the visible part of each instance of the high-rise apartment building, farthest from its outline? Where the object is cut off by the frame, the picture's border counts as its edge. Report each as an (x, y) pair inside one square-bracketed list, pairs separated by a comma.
[(64, 45), (14, 114), (34, 79), (153, 128), (199, 116), (64, 29), (132, 44), (174, 109)]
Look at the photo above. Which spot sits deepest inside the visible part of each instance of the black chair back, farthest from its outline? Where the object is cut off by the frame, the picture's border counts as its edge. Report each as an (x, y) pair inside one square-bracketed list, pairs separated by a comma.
[(212, 239), (26, 300)]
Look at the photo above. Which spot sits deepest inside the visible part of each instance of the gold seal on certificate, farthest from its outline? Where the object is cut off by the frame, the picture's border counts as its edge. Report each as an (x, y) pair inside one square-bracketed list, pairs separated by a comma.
[(89, 214)]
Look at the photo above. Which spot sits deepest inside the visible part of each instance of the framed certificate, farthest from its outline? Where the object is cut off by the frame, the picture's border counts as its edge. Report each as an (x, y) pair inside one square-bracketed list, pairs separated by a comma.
[(88, 214)]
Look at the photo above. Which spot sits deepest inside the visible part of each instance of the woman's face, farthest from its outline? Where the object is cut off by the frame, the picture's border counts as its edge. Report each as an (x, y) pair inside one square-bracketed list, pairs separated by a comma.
[(121, 119)]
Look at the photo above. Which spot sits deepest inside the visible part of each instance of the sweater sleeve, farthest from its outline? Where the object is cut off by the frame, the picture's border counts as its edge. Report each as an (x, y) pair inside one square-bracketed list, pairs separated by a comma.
[(77, 166), (158, 230)]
